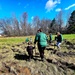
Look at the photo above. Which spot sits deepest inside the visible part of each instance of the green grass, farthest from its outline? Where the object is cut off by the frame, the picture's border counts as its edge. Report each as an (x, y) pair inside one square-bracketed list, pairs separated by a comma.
[(15, 40), (69, 36), (10, 40)]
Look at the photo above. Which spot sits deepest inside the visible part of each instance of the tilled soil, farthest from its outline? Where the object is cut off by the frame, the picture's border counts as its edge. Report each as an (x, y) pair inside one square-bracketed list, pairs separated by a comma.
[(14, 60)]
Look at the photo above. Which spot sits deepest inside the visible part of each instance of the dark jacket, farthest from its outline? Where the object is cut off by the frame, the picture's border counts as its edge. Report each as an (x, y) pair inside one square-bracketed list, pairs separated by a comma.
[(30, 48), (59, 38)]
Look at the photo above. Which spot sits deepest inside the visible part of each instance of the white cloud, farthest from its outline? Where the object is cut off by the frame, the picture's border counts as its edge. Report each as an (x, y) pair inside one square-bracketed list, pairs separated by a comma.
[(51, 4), (58, 10), (70, 7)]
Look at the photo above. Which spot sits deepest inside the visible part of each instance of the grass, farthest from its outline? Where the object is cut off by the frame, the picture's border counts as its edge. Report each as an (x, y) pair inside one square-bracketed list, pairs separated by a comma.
[(69, 36), (11, 40), (15, 40)]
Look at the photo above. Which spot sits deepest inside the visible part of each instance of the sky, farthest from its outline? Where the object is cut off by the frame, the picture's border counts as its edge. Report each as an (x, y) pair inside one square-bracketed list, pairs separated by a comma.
[(42, 8)]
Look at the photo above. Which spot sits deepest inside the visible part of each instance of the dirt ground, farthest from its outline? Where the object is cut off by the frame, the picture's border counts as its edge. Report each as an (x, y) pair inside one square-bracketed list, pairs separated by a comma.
[(13, 60)]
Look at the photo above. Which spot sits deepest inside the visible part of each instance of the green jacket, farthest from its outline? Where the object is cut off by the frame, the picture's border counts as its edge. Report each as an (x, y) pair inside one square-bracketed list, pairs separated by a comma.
[(27, 40), (41, 38)]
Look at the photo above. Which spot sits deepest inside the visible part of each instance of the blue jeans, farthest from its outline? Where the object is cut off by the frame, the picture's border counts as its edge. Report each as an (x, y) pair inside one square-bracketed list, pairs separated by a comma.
[(58, 44)]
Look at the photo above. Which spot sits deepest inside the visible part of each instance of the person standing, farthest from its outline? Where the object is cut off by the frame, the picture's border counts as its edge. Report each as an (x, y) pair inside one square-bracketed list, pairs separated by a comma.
[(41, 38), (59, 40), (30, 50)]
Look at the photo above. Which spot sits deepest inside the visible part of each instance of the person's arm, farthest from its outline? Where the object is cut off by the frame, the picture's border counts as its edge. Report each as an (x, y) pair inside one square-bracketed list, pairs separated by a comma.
[(61, 38), (55, 37), (36, 39), (46, 37)]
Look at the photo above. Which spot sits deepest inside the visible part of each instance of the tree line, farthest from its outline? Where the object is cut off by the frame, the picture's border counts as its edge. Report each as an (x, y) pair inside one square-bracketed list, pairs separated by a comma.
[(14, 27)]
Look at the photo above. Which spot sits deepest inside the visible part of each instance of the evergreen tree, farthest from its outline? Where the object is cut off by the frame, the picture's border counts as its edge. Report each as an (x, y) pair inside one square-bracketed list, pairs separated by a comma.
[(53, 27), (71, 26)]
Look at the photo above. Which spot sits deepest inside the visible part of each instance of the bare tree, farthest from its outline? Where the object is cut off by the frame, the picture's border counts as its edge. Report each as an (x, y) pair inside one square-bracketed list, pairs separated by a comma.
[(6, 27), (23, 23), (67, 18), (59, 19), (45, 25), (16, 26), (36, 23), (3, 25), (30, 29)]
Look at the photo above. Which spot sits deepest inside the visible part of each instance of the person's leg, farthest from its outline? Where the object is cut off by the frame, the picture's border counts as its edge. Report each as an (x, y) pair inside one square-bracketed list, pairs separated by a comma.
[(39, 48), (29, 57), (42, 52), (31, 54), (58, 45)]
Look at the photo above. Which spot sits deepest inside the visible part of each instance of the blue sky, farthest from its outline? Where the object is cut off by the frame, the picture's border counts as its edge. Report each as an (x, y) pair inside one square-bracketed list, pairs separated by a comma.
[(41, 8)]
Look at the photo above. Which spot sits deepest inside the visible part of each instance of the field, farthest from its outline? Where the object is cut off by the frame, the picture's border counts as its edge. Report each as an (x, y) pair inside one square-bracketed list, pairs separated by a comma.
[(15, 40), (13, 57)]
